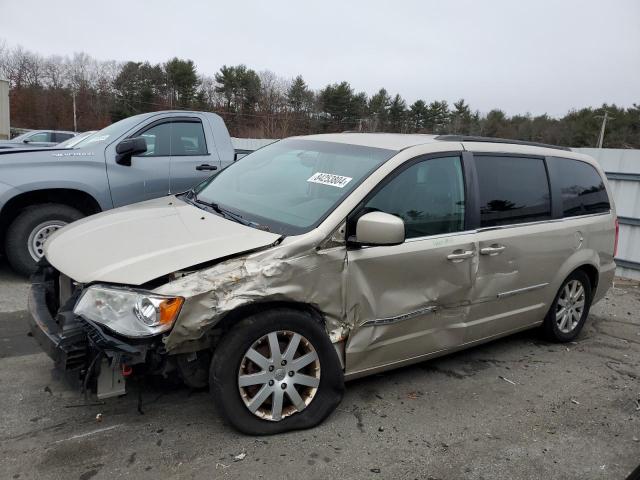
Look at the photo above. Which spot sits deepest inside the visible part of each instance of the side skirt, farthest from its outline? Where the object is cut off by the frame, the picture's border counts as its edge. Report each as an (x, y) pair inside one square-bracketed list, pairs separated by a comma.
[(439, 353)]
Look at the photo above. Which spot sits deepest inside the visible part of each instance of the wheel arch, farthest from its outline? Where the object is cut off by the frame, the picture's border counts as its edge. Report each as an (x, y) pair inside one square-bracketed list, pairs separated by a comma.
[(592, 273), (586, 260), (234, 316), (230, 319), (78, 199)]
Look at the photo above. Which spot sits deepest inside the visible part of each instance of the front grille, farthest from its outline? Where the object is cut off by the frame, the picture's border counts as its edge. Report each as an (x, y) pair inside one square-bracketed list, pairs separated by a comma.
[(75, 356)]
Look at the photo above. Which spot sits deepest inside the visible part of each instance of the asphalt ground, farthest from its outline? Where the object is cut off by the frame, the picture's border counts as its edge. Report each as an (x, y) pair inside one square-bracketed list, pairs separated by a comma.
[(516, 408)]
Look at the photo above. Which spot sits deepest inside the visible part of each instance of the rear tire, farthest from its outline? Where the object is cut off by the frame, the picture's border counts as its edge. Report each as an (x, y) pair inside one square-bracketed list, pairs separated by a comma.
[(29, 230), (569, 309), (319, 385)]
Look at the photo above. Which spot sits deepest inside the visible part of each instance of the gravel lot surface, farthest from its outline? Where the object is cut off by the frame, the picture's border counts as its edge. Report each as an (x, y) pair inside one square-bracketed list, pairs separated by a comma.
[(513, 409)]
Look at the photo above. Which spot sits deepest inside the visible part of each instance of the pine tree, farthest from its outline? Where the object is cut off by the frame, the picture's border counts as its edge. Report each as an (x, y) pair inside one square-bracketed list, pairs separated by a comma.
[(299, 97), (397, 114)]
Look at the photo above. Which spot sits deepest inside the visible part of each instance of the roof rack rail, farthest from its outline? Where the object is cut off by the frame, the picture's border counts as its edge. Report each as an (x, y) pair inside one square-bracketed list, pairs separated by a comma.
[(471, 138)]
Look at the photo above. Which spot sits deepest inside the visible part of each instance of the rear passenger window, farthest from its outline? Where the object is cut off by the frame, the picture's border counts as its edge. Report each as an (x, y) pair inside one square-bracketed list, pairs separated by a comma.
[(428, 196), (581, 187), (512, 190)]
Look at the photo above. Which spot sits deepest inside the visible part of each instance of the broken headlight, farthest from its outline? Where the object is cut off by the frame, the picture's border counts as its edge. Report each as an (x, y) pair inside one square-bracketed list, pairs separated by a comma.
[(134, 313)]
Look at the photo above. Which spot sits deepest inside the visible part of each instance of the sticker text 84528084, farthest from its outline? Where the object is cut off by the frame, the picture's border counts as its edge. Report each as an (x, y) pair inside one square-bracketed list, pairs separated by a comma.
[(329, 179)]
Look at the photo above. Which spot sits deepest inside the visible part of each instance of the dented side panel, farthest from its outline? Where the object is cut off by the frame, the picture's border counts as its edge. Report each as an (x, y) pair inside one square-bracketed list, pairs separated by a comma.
[(308, 274), (407, 300)]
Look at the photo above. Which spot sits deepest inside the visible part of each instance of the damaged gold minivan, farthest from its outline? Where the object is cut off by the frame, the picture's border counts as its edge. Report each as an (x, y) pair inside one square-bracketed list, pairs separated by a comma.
[(324, 258)]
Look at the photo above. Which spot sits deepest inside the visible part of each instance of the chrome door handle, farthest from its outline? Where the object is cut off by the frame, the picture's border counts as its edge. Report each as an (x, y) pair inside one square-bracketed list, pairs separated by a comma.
[(460, 255), (494, 249)]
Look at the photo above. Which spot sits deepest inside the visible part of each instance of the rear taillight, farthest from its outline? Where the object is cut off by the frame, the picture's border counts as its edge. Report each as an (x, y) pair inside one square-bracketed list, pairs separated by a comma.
[(615, 243)]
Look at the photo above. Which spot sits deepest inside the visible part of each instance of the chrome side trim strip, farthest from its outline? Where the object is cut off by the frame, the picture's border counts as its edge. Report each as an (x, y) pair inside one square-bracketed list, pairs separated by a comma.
[(398, 318), (553, 220), (503, 227), (440, 235), (522, 290)]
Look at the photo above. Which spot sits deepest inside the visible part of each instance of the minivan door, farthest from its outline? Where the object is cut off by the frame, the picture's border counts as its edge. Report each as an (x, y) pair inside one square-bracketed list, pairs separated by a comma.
[(192, 160), (148, 175), (412, 299), (520, 249)]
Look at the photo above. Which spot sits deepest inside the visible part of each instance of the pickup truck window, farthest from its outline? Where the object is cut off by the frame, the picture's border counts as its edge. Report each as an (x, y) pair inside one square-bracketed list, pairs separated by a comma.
[(187, 138), (158, 140)]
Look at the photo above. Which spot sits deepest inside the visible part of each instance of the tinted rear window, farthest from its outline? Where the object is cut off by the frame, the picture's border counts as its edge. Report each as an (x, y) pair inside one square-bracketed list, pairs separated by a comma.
[(582, 189), (512, 190)]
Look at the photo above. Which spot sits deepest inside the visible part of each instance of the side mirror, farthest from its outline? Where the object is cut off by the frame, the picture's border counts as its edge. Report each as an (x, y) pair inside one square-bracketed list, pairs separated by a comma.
[(129, 147), (26, 140), (379, 228), (240, 153)]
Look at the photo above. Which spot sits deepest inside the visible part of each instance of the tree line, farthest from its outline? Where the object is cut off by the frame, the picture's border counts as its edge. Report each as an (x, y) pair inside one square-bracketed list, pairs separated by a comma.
[(263, 104)]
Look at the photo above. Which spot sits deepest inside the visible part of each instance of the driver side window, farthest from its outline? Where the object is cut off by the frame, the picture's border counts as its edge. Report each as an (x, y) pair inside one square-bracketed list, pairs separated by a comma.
[(428, 196), (158, 140)]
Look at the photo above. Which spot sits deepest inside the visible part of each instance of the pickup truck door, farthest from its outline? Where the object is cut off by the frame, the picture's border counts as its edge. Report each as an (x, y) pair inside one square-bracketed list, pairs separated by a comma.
[(148, 175), (193, 159)]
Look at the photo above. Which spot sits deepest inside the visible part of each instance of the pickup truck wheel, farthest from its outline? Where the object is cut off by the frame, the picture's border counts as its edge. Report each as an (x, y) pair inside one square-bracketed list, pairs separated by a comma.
[(31, 228), (276, 371)]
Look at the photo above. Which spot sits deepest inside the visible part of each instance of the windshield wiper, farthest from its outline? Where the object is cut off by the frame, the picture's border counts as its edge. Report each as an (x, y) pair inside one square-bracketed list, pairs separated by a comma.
[(225, 213)]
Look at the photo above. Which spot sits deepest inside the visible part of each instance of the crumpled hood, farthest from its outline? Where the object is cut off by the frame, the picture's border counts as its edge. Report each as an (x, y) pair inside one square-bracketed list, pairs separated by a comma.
[(138, 243)]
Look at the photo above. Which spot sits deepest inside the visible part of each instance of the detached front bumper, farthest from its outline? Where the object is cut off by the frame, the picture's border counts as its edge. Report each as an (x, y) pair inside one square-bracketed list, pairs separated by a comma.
[(81, 349), (62, 338)]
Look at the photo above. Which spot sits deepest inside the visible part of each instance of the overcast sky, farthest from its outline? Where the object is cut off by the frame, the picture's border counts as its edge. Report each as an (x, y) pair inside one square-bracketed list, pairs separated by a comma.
[(521, 56)]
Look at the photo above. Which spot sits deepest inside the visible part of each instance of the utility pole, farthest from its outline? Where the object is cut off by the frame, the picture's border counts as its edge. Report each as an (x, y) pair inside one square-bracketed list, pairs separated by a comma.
[(604, 126), (75, 121)]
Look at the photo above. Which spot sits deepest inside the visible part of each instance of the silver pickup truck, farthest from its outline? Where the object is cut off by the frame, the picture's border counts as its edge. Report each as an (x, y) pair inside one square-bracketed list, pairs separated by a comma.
[(135, 159)]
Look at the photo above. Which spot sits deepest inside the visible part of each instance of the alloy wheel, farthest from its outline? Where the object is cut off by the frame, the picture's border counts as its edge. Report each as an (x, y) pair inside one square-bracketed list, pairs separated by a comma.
[(570, 306), (279, 375)]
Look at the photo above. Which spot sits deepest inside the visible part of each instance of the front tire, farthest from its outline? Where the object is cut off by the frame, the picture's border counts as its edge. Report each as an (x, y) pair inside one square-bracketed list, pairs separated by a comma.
[(276, 371), (569, 309), (31, 228)]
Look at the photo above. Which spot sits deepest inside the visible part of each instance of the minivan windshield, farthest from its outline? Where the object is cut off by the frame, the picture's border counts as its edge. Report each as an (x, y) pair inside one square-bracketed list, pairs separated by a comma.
[(290, 186), (109, 133)]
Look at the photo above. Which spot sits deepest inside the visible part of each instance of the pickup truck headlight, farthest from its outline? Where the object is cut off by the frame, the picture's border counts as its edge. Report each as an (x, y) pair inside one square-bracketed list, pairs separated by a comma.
[(134, 313)]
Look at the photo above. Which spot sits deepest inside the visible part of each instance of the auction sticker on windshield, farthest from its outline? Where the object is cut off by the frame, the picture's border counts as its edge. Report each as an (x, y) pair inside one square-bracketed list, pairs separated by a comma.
[(329, 179)]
